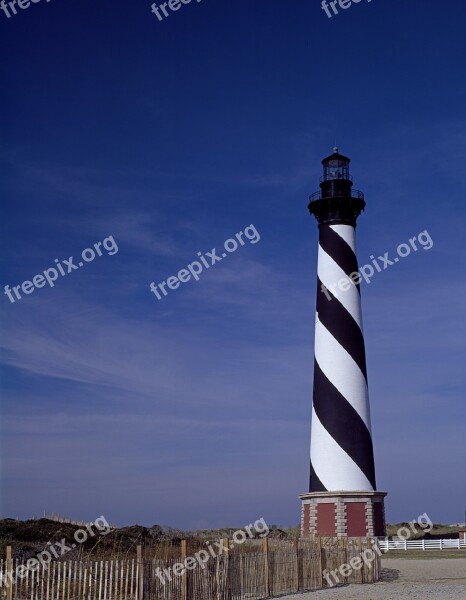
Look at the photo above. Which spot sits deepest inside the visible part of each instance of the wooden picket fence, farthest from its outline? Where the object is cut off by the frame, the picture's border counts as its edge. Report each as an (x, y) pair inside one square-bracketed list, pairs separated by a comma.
[(262, 571)]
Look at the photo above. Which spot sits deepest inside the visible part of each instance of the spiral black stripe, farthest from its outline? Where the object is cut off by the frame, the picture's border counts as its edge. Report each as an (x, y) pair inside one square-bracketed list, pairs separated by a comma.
[(341, 325), (343, 423), (339, 250), (315, 484)]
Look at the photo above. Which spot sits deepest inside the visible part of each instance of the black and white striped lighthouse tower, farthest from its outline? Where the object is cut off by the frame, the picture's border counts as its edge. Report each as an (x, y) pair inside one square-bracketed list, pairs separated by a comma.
[(342, 498)]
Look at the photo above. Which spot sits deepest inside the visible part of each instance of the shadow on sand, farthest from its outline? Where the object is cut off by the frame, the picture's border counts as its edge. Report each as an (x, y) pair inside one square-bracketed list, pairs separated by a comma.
[(389, 575)]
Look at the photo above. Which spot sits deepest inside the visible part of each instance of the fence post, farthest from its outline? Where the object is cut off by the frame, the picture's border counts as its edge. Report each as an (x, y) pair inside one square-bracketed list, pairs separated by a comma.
[(375, 549), (265, 546), (321, 560), (226, 549), (371, 567), (296, 552), (140, 564), (226, 545), (363, 564), (9, 574), (343, 559), (184, 577), (379, 559)]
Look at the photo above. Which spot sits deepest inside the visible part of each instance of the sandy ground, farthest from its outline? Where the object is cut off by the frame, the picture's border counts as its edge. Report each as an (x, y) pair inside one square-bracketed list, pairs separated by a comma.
[(436, 579)]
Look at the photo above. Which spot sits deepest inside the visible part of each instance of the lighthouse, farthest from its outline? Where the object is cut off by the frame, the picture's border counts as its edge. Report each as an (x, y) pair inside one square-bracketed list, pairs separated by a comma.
[(343, 499)]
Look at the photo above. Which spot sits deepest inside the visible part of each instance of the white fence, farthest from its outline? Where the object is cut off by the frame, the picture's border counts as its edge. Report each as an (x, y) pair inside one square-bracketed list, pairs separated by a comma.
[(386, 545)]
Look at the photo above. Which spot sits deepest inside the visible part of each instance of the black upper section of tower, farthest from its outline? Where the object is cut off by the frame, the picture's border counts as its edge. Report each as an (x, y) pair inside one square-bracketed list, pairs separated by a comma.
[(336, 201)]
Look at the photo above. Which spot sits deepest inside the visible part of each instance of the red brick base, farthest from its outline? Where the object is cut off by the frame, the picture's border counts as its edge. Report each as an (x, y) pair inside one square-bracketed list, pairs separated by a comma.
[(356, 525), (343, 514), (326, 518)]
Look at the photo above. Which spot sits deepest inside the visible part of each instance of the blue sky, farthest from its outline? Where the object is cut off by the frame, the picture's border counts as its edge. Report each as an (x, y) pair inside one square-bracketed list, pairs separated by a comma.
[(173, 136)]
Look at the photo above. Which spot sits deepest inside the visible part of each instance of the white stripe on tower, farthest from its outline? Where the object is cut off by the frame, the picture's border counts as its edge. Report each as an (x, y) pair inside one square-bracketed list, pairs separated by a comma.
[(330, 273), (347, 378), (342, 455), (328, 458)]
